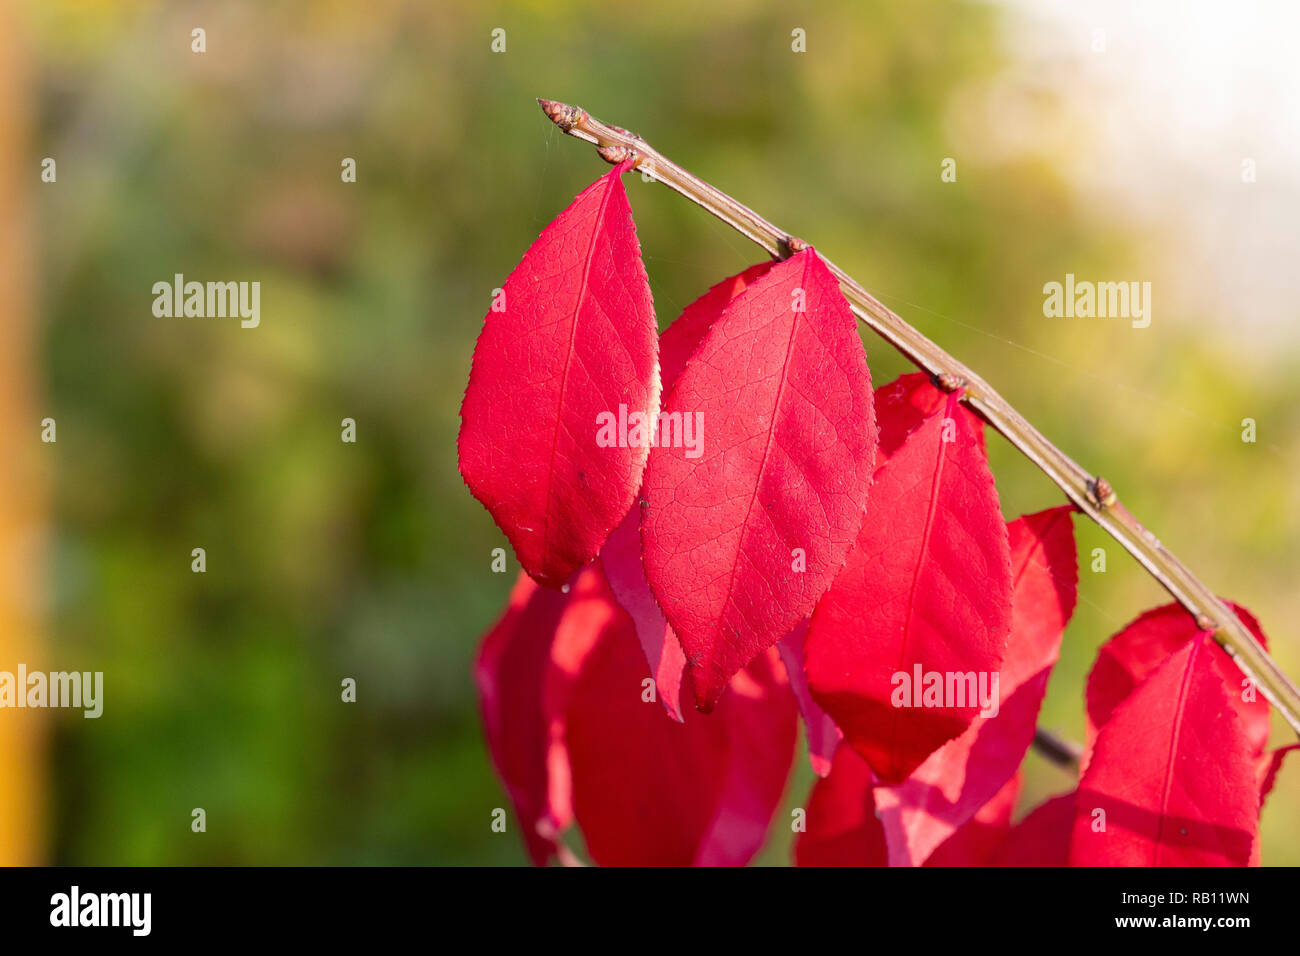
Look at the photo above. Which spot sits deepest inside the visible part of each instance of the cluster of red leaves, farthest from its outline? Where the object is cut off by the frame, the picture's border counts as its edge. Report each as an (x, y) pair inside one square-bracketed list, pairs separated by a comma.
[(680, 608)]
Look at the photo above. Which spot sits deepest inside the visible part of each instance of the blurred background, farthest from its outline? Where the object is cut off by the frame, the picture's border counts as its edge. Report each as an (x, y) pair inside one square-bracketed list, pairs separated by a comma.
[(1109, 140)]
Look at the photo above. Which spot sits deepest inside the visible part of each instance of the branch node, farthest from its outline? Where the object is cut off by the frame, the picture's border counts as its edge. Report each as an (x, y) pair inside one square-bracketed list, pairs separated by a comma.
[(1205, 623), (1103, 495), (795, 244), (948, 382), (615, 154)]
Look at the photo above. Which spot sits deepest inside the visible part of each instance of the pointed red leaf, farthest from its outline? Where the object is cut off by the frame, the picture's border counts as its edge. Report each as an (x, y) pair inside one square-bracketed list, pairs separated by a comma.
[(926, 590), (681, 339), (1042, 838), (963, 775), (1172, 775), (573, 734), (823, 735), (650, 791), (762, 728), (621, 555), (975, 841), (1127, 658), (621, 559), (841, 824), (575, 339), (1269, 767), (510, 673), (843, 827), (784, 398)]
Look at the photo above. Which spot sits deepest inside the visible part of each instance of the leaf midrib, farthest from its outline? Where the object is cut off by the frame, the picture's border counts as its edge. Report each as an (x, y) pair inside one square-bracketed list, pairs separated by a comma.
[(1173, 749), (916, 573), (568, 360), (762, 466)]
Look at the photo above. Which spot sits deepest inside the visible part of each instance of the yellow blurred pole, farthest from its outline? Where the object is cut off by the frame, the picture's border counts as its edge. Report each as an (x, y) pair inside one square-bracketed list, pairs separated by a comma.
[(22, 493)]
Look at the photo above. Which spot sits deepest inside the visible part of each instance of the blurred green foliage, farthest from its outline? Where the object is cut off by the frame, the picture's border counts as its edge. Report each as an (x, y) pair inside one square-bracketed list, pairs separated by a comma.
[(328, 560)]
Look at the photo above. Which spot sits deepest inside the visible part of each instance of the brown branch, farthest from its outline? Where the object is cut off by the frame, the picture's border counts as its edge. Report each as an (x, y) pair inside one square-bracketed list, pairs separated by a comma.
[(1092, 495), (1064, 753)]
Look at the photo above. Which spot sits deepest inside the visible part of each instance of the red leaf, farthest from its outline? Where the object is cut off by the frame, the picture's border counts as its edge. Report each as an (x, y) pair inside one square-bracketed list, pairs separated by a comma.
[(680, 340), (785, 400), (1269, 767), (975, 841), (1127, 658), (823, 735), (1173, 771), (510, 672), (1042, 838), (927, 587), (842, 828), (576, 340), (963, 775), (621, 559), (904, 404), (761, 733), (650, 791), (561, 682), (621, 555), (901, 407)]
